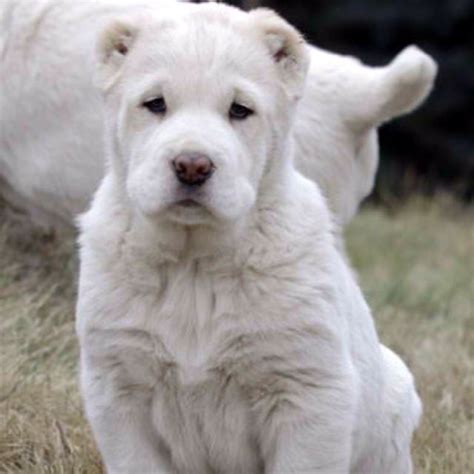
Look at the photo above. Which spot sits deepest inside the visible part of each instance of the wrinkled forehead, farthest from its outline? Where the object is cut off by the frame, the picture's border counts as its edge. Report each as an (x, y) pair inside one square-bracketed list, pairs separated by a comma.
[(201, 49)]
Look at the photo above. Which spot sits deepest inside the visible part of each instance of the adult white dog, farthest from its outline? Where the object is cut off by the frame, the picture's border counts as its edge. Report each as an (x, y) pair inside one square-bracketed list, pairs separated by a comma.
[(51, 132), (220, 328)]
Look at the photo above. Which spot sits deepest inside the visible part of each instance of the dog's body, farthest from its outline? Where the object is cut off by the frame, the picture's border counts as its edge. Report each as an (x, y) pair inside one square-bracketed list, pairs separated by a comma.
[(51, 147), (221, 329), (204, 360)]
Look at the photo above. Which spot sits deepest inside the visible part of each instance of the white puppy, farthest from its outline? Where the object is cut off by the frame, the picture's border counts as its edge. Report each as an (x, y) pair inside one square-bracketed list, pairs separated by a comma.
[(51, 131), (220, 328)]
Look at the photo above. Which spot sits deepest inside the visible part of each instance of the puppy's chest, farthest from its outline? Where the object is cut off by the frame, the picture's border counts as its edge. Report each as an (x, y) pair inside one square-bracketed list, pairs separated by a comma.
[(196, 328), (200, 406), (207, 350), (190, 318)]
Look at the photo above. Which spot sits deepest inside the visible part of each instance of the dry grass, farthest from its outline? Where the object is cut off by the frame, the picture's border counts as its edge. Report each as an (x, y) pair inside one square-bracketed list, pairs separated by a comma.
[(416, 268)]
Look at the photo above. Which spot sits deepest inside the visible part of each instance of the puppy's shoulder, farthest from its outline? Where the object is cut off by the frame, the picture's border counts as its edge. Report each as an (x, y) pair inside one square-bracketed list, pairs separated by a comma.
[(309, 213), (293, 227), (103, 226)]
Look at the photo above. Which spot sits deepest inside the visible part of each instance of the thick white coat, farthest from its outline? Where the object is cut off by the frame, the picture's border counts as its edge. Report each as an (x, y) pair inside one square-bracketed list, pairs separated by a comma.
[(51, 127), (230, 336)]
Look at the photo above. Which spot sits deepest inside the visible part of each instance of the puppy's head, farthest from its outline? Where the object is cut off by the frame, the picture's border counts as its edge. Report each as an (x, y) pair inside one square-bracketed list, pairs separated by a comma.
[(199, 101)]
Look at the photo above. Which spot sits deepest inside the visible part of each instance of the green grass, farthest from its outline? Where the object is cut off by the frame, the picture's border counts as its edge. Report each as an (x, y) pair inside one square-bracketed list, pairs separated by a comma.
[(416, 267)]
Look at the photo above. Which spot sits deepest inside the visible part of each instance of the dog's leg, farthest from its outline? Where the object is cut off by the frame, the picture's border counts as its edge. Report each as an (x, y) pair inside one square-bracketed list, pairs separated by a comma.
[(310, 432), (122, 427), (403, 411)]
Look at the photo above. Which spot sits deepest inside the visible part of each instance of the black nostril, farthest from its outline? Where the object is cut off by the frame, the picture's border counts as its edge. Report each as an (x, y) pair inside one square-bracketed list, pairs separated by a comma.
[(180, 167), (192, 168)]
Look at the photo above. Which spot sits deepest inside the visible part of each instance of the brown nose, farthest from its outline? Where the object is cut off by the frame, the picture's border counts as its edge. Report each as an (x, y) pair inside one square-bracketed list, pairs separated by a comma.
[(193, 169)]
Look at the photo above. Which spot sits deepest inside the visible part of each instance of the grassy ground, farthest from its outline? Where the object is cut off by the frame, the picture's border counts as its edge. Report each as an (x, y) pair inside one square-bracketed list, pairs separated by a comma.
[(416, 267)]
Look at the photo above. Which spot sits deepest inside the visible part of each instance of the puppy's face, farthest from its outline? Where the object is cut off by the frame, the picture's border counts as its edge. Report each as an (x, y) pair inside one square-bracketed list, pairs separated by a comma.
[(199, 103)]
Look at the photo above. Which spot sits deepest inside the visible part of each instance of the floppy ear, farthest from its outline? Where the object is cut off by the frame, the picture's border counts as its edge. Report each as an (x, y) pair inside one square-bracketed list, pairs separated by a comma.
[(112, 48), (286, 47)]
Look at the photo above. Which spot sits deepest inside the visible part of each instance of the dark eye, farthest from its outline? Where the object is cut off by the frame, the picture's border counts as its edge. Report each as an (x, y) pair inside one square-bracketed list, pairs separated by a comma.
[(239, 111), (156, 106)]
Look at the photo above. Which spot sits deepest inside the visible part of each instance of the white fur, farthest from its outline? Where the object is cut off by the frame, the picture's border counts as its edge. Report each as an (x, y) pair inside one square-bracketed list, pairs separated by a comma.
[(231, 337), (51, 132), (344, 103)]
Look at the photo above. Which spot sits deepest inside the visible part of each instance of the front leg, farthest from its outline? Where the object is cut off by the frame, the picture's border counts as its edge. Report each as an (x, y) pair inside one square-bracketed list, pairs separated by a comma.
[(121, 420), (306, 416), (308, 443)]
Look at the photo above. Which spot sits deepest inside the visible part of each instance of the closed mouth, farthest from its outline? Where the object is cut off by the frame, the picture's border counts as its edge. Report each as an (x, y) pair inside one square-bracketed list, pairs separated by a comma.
[(188, 203), (189, 212)]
